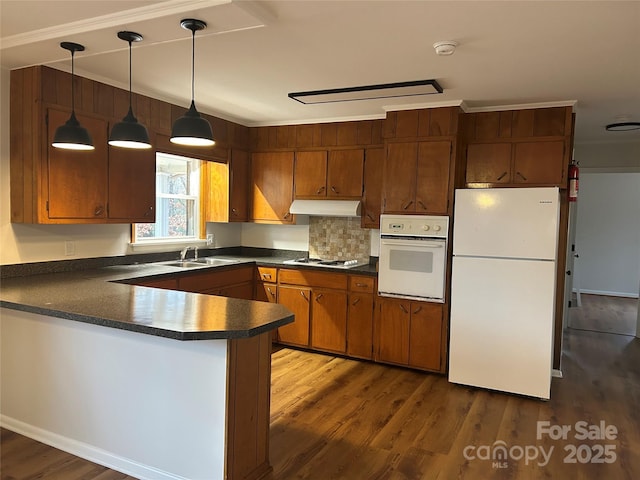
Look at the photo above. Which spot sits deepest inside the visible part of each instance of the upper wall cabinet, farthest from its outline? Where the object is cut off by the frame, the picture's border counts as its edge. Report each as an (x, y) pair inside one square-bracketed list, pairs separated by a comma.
[(416, 177), (371, 198), (519, 147), (225, 189), (271, 187), (333, 174), (106, 185)]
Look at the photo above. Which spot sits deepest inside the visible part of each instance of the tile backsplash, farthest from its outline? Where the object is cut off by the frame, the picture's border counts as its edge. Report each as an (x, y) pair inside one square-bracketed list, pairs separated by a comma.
[(338, 238)]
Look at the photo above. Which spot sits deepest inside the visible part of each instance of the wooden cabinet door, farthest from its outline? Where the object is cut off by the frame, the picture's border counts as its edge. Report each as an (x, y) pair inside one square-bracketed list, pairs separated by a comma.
[(267, 292), (360, 325), (329, 320), (399, 182), (345, 173), (77, 180), (392, 331), (272, 187), (539, 163), (372, 196), (296, 299), (425, 335), (489, 163), (432, 186), (239, 186), (132, 185), (310, 174), (240, 290)]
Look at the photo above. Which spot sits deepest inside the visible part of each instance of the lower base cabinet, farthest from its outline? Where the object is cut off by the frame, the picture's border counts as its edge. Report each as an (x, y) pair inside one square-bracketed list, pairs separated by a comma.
[(295, 299), (409, 333)]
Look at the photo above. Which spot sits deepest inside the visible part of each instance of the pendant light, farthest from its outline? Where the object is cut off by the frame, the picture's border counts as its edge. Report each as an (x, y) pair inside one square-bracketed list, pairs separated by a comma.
[(191, 129), (72, 135), (129, 133)]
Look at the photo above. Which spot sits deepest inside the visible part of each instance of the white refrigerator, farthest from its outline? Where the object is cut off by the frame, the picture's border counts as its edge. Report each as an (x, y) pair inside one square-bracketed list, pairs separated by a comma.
[(505, 242)]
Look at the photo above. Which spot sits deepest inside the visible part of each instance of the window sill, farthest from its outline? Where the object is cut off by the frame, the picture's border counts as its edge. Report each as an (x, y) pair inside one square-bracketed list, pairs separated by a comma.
[(166, 246)]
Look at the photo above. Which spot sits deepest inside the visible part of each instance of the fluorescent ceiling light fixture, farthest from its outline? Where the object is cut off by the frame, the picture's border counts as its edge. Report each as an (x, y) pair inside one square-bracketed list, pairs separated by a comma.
[(368, 92), (623, 126)]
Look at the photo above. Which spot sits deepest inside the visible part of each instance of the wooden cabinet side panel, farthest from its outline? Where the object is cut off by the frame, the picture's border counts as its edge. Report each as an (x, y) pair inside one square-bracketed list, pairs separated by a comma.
[(248, 405), (214, 195)]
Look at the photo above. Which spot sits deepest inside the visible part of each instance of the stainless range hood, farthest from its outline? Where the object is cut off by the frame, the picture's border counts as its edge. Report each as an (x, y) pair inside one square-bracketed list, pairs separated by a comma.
[(326, 208)]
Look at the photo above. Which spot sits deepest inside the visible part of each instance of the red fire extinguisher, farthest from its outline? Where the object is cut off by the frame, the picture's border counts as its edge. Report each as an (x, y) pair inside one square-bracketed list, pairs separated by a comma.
[(574, 172)]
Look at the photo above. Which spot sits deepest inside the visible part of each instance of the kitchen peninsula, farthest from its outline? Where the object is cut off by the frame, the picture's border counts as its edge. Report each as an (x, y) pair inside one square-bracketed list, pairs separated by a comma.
[(157, 383)]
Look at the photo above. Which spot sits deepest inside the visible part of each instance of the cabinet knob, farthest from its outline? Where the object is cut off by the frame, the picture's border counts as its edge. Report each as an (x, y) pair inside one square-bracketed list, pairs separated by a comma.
[(234, 212), (148, 212), (98, 210), (320, 190), (266, 275), (371, 217), (521, 176), (356, 301), (271, 292), (501, 176), (422, 205), (286, 215), (334, 190), (418, 310), (407, 205), (403, 308), (319, 296), (361, 284), (303, 295)]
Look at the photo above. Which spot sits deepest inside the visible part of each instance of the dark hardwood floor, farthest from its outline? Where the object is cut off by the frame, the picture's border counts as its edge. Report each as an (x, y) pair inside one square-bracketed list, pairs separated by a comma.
[(601, 313), (333, 418)]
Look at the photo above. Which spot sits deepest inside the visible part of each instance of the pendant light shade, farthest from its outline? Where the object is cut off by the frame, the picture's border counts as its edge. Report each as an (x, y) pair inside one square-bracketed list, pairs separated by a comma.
[(129, 133), (191, 129), (72, 135)]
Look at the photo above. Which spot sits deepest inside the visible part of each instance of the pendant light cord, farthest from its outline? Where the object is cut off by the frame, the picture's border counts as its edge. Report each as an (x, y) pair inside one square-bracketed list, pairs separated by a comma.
[(130, 98), (193, 62), (73, 96)]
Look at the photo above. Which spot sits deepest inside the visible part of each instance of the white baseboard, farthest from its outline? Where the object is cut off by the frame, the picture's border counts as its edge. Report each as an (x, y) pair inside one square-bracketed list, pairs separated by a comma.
[(606, 293), (88, 452)]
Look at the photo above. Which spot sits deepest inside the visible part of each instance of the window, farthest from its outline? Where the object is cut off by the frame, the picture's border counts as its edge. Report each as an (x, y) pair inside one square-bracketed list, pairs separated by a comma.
[(177, 201)]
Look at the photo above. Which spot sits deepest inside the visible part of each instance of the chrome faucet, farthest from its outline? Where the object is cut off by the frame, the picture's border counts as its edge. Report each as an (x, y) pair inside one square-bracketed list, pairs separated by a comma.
[(183, 253)]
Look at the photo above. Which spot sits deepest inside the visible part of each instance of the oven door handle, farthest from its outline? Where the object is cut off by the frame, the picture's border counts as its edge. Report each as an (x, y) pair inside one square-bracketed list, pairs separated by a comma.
[(415, 243)]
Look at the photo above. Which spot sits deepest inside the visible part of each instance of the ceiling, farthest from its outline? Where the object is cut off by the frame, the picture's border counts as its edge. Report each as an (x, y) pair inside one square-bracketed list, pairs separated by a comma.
[(253, 53)]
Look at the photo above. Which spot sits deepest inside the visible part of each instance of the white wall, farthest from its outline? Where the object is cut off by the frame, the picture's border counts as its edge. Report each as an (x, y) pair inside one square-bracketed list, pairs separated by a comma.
[(608, 233)]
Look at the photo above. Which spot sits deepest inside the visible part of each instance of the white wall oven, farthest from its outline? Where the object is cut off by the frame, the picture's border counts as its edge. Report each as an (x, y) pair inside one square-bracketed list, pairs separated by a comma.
[(413, 256)]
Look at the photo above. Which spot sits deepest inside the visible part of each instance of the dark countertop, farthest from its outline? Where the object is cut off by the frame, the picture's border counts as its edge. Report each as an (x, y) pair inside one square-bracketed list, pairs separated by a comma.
[(101, 297)]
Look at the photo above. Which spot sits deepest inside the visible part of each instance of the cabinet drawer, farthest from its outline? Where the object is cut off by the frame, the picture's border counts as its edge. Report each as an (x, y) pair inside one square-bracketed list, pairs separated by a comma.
[(204, 281), (267, 274), (315, 279), (361, 284)]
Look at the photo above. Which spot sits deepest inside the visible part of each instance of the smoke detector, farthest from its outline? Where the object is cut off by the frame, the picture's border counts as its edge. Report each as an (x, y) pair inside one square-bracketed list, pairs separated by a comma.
[(446, 47)]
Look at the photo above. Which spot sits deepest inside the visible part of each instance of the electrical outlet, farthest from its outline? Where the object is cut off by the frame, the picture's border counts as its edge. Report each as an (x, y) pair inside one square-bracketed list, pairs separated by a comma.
[(69, 248), (211, 240)]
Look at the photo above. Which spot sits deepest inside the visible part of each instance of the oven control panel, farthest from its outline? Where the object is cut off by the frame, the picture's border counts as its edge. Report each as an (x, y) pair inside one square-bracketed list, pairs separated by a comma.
[(415, 225)]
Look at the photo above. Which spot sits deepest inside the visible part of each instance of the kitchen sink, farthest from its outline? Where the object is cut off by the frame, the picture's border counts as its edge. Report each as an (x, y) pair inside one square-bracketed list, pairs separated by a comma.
[(201, 262)]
